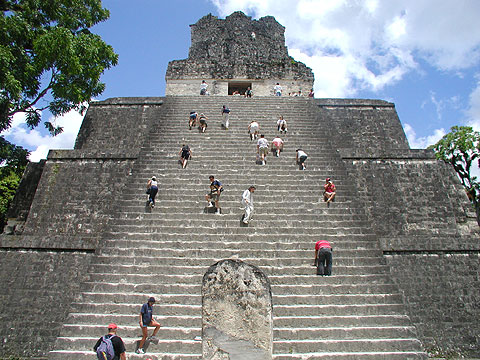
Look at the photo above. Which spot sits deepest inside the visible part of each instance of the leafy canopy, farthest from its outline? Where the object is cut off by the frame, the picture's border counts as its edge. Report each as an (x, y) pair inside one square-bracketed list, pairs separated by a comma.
[(13, 160), (461, 149), (47, 49)]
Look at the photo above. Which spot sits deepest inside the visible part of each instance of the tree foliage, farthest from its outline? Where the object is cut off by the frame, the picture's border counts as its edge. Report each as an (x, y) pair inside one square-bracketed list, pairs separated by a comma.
[(13, 160), (461, 149), (47, 49)]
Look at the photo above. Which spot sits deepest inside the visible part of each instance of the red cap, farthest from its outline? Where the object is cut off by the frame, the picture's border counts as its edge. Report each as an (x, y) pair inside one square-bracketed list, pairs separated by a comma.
[(112, 326)]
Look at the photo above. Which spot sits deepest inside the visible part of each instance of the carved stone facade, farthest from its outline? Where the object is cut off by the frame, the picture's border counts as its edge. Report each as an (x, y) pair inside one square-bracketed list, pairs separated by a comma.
[(234, 53)]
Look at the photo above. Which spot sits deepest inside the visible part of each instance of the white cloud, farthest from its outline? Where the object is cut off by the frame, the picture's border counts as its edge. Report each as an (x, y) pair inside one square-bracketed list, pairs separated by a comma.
[(370, 44), (39, 143), (473, 112), (424, 141)]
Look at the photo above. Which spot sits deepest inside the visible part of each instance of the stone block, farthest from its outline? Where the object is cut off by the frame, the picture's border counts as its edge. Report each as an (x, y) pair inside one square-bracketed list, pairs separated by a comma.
[(236, 312)]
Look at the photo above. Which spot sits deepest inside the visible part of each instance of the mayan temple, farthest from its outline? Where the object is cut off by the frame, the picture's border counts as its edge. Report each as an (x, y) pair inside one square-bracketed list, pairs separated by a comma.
[(82, 248)]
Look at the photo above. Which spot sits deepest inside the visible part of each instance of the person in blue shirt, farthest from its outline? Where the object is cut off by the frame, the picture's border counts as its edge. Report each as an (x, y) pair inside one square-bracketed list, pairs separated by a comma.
[(146, 320)]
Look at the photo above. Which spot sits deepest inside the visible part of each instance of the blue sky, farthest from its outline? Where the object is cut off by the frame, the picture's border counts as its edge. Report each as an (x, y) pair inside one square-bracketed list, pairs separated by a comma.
[(422, 55)]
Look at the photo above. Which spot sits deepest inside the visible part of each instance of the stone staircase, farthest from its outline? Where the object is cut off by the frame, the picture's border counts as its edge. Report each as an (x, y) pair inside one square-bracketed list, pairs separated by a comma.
[(357, 313)]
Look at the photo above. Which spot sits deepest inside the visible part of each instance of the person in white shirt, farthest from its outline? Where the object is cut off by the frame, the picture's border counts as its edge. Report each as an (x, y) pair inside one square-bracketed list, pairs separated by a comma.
[(262, 148), (247, 202), (203, 88), (278, 90), (277, 146), (300, 158), (282, 125), (253, 129)]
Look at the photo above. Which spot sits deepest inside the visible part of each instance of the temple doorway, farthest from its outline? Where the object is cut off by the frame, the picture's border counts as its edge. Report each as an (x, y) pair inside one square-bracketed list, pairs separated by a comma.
[(239, 87)]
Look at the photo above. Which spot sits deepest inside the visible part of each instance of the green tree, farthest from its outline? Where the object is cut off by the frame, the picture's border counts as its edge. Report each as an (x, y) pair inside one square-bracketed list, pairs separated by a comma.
[(461, 149), (48, 52), (13, 160)]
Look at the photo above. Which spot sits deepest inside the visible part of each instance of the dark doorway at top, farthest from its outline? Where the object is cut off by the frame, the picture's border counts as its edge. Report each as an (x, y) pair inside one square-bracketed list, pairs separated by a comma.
[(240, 87)]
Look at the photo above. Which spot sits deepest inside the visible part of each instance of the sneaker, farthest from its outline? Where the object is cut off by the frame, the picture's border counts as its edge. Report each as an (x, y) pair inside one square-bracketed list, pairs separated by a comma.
[(152, 205), (154, 339), (218, 212), (140, 351), (210, 205), (263, 163), (245, 222)]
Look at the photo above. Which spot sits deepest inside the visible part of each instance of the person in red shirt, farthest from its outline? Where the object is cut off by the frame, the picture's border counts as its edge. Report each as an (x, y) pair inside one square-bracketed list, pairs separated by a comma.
[(329, 191), (323, 257)]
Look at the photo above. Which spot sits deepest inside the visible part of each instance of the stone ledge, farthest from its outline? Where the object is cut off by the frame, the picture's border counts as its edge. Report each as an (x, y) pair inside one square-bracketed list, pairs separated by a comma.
[(49, 243), (129, 101), (90, 154), (400, 154), (353, 103), (428, 244)]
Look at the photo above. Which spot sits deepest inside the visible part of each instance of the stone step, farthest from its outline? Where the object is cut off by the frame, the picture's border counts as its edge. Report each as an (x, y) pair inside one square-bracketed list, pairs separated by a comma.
[(212, 227), (327, 286), (277, 262), (200, 270), (185, 243), (345, 333), (355, 345), (172, 346), (195, 299), (215, 251), (89, 354), (369, 355)]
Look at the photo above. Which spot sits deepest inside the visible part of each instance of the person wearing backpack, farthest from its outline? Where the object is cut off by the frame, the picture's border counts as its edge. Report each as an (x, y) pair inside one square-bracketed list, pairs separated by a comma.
[(110, 346)]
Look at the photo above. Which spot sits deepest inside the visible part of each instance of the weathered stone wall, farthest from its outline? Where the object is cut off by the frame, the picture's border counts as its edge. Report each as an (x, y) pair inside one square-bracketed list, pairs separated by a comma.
[(42, 269), (106, 123), (424, 221), (20, 206), (238, 48), (371, 127), (442, 296), (38, 285), (237, 317)]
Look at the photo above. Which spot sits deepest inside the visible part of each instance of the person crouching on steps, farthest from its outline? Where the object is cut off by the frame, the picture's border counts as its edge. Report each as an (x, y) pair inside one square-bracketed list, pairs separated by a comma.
[(203, 123), (146, 320), (216, 189), (152, 190), (323, 257)]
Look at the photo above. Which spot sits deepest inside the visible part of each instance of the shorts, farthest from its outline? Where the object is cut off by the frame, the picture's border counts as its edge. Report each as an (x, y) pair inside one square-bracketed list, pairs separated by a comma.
[(203, 121), (214, 196), (185, 155), (263, 150), (253, 129), (302, 159)]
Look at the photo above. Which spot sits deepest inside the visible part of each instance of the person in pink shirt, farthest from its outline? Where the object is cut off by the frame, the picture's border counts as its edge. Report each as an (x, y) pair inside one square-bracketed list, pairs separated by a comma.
[(323, 257), (329, 191), (277, 146)]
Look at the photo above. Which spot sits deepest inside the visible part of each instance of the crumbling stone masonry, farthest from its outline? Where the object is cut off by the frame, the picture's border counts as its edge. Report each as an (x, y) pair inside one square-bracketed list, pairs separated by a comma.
[(236, 312), (235, 53)]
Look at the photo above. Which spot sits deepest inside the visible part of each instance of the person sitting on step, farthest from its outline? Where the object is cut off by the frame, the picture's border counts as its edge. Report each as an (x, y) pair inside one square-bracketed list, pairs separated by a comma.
[(282, 125), (329, 191), (203, 88)]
